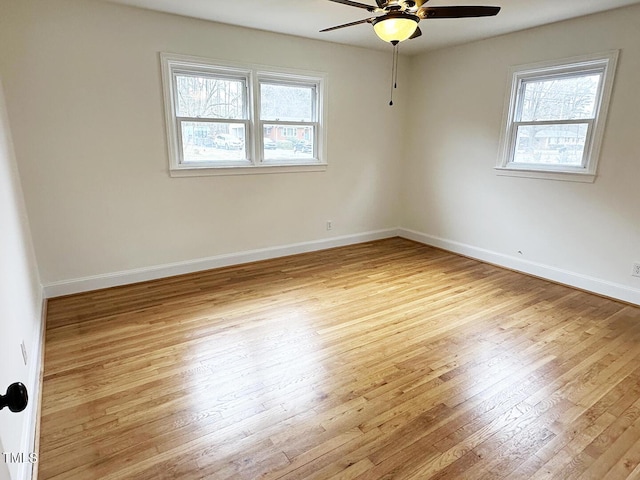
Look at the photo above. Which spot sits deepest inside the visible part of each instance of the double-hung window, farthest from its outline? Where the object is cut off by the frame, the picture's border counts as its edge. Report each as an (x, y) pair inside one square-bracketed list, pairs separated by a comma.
[(230, 119), (554, 120), (211, 117), (289, 118)]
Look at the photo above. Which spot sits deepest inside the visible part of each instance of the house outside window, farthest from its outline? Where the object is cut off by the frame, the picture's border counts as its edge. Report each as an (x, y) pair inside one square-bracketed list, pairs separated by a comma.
[(554, 118)]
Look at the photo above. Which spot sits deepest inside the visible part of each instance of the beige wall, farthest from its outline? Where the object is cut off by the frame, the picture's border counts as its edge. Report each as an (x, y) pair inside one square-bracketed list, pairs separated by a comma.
[(20, 304), (584, 234), (85, 104)]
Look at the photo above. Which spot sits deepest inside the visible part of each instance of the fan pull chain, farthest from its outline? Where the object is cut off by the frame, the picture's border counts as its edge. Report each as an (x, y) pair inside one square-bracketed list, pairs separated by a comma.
[(394, 71), (395, 78)]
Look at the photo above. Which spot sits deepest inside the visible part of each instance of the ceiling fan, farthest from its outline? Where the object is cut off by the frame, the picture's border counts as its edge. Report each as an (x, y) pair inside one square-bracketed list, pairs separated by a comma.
[(400, 18)]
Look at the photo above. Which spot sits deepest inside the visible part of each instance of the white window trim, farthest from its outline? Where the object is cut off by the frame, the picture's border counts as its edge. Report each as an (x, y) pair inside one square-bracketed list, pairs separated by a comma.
[(586, 173), (254, 164)]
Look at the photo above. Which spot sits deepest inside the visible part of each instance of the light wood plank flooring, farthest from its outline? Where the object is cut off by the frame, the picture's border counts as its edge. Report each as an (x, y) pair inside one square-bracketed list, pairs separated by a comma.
[(385, 360)]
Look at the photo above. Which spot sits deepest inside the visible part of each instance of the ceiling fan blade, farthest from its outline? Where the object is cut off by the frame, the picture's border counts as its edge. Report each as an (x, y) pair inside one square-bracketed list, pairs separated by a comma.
[(457, 12), (381, 3), (366, 20), (355, 4), (416, 34)]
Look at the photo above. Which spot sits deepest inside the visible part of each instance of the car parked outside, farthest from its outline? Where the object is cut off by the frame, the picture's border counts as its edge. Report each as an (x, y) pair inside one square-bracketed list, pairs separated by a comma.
[(227, 141), (303, 146)]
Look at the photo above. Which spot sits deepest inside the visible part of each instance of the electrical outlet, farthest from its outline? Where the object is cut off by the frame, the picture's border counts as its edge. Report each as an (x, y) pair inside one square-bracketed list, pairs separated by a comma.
[(329, 225), (23, 347), (636, 270)]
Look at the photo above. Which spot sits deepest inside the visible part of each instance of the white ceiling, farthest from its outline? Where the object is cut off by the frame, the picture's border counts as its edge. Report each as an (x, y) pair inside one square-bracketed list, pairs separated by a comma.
[(306, 17)]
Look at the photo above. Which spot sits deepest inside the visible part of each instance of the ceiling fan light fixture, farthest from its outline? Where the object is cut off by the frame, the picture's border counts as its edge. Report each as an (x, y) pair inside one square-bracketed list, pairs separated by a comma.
[(394, 27)]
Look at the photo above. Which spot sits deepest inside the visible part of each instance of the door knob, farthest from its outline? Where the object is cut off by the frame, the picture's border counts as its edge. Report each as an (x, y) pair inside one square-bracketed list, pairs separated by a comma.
[(16, 398)]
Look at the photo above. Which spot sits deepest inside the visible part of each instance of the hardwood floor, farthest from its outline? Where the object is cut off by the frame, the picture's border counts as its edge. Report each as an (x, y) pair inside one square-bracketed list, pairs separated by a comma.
[(384, 360)]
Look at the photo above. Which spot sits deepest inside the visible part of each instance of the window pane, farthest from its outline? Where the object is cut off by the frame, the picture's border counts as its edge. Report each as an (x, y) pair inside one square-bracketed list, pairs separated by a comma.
[(207, 142), (288, 103), (207, 97), (563, 98), (283, 142), (551, 144)]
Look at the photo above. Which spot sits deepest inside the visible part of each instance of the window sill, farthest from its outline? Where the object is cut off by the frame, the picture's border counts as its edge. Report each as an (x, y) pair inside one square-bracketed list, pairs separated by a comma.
[(566, 176), (191, 171)]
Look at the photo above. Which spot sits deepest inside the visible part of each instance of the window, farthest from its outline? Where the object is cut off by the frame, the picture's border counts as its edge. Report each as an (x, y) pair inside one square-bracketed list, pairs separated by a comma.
[(288, 116), (232, 119), (554, 119), (211, 117)]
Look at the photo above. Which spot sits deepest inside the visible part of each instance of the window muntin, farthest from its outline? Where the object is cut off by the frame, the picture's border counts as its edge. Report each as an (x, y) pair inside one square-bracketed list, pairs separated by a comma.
[(222, 119), (555, 118)]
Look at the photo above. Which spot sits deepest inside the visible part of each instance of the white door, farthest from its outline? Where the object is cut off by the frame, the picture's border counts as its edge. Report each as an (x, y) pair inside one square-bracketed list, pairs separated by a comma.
[(4, 470)]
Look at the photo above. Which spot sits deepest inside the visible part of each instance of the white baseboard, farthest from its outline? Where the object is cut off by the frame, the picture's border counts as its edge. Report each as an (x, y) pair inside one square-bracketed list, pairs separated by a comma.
[(30, 440), (67, 287), (577, 280)]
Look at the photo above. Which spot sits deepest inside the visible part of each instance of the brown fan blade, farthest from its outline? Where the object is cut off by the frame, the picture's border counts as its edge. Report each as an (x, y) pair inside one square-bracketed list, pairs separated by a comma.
[(355, 4), (457, 12), (416, 34), (366, 20), (381, 3)]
